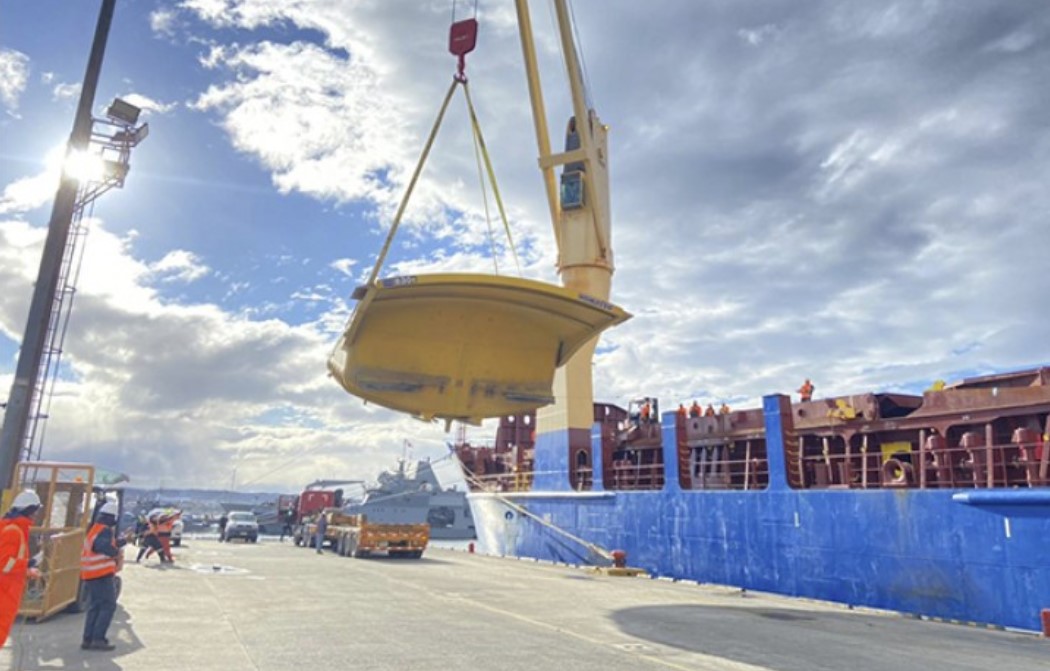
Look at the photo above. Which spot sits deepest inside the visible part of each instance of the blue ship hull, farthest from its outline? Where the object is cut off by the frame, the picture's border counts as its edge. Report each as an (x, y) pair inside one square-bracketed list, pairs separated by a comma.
[(973, 555)]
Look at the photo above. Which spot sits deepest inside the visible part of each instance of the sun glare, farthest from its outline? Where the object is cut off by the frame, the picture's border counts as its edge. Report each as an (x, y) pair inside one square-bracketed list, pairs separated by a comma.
[(82, 166)]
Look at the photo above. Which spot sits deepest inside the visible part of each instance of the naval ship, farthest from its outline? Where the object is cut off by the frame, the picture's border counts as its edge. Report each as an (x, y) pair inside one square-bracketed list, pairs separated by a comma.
[(411, 494)]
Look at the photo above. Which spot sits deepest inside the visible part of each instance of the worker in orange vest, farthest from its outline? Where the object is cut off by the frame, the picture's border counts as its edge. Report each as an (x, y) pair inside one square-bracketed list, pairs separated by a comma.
[(682, 412), (99, 558), (165, 525), (15, 563), (695, 410), (710, 411), (646, 411), (724, 410), (806, 390), (149, 542)]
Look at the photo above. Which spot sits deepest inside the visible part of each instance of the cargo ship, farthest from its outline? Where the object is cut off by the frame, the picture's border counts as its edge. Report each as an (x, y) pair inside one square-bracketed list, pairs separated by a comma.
[(935, 504)]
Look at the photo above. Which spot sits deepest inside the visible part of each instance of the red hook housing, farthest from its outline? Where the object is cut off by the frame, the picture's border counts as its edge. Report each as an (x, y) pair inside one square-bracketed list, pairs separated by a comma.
[(462, 38)]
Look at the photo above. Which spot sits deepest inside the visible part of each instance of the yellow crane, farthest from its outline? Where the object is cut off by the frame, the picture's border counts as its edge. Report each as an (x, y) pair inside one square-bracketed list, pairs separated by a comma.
[(469, 346)]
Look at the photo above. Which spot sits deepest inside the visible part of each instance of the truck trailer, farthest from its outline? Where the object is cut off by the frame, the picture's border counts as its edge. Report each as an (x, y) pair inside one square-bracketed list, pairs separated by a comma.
[(355, 536)]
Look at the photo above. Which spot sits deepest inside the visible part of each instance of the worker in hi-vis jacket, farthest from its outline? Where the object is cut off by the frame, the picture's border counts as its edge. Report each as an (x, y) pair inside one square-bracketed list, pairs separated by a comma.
[(15, 562), (99, 562)]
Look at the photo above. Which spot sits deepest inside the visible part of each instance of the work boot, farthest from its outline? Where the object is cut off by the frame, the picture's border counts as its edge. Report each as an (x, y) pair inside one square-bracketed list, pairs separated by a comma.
[(85, 644), (102, 645)]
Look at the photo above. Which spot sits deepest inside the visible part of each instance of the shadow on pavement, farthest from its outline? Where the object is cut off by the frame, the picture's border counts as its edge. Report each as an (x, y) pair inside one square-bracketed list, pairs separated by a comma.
[(55, 643), (789, 639), (424, 560)]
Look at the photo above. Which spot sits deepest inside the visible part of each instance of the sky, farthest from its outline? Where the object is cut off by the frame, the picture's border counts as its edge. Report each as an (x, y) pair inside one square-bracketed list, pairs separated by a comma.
[(850, 192)]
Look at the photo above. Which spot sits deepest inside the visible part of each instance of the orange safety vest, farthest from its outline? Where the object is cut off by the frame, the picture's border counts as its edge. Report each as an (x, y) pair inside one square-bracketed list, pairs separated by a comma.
[(94, 565), (14, 561), (18, 561)]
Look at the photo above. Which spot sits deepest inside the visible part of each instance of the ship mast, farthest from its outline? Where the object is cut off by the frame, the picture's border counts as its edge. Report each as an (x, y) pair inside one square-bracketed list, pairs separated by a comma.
[(580, 214)]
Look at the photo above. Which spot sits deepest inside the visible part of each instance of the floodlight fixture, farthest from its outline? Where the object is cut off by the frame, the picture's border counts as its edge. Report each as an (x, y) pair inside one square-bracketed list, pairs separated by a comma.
[(140, 134), (123, 111), (130, 137), (115, 170)]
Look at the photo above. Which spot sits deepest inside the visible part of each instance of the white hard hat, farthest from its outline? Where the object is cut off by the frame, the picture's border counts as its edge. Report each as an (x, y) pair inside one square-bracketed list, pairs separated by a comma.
[(109, 508), (26, 499)]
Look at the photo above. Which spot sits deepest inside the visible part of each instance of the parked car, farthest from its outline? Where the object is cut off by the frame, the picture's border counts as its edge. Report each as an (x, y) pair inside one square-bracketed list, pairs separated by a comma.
[(241, 524)]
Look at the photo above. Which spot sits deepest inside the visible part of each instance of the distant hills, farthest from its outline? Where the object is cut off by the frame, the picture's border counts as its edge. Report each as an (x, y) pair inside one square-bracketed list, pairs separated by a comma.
[(198, 496)]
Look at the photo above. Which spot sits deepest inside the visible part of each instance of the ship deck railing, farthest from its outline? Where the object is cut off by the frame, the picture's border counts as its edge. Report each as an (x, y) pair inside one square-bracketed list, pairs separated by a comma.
[(997, 465)]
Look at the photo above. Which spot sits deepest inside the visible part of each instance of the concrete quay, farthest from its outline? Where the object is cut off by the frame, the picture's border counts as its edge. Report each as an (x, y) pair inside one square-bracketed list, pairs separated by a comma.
[(271, 606)]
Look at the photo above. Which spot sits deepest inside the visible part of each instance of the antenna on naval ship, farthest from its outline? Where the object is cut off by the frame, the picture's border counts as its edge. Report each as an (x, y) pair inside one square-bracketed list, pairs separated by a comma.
[(97, 160)]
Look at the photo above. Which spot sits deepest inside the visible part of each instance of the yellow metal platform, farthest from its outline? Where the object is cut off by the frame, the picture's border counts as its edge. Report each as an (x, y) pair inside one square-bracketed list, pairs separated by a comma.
[(463, 346)]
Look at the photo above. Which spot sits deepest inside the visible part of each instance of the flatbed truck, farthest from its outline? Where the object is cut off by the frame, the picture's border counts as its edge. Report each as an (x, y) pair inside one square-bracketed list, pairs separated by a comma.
[(355, 536)]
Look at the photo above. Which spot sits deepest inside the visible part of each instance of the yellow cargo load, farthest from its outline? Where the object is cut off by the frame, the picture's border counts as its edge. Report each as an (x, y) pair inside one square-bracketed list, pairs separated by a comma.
[(464, 346)]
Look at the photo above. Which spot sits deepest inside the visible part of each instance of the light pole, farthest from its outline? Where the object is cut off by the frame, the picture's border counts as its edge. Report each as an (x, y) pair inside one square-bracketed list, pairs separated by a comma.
[(45, 325)]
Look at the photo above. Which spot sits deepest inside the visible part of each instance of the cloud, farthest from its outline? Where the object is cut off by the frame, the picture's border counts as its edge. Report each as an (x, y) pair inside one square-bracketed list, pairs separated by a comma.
[(346, 119), (815, 207), (163, 21), (758, 35), (65, 91), (29, 193), (206, 389), (147, 104), (344, 266), (179, 266), (310, 116), (14, 73), (248, 15)]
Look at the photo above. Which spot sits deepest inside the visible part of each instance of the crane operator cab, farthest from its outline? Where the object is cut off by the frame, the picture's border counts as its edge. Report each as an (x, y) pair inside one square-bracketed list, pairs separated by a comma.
[(572, 175)]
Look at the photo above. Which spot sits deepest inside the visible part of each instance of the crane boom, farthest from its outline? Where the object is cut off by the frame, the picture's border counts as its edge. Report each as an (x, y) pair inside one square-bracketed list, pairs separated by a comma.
[(580, 213)]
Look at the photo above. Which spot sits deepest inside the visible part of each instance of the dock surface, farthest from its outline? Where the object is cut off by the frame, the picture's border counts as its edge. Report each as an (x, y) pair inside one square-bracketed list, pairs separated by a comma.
[(273, 606)]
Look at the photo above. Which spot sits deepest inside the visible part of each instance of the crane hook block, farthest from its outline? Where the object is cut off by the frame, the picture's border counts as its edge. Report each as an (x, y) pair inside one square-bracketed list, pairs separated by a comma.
[(463, 37)]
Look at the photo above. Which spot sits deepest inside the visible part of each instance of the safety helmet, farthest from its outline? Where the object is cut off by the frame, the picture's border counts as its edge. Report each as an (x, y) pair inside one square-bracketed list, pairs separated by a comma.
[(109, 508), (26, 499)]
